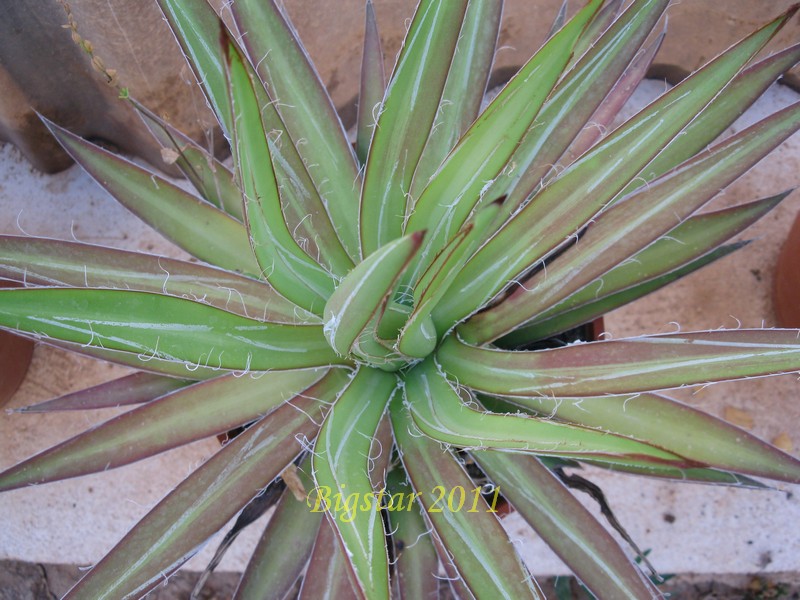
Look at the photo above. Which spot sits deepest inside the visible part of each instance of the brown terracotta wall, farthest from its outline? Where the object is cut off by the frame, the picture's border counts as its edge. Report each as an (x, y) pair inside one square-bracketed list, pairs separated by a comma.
[(698, 30), (41, 68)]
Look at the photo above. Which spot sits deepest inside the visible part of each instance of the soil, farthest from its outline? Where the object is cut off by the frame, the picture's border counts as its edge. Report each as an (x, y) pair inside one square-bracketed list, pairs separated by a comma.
[(32, 581)]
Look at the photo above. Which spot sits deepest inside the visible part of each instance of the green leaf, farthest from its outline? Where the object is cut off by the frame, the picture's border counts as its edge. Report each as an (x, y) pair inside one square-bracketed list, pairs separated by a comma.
[(373, 84), (720, 113), (196, 27), (137, 360), (487, 146), (624, 366), (590, 552), (416, 565), (464, 89), (136, 388), (359, 296), (184, 416), (478, 549), (287, 267), (690, 246), (326, 575), (312, 123), (610, 299), (694, 475), (380, 453), (189, 222), (597, 26), (675, 427), (418, 337), (284, 548), (601, 121), (164, 327), (341, 460), (630, 226), (563, 208), (210, 177), (60, 263), (406, 116), (304, 210), (575, 99), (440, 413), (204, 502)]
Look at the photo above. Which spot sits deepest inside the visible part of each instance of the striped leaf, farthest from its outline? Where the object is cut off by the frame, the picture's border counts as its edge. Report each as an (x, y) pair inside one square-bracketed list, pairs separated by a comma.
[(148, 363), (624, 366), (204, 502), (373, 84), (305, 108), (59, 263), (164, 327), (284, 548), (488, 145), (419, 335), (416, 566), (590, 552), (690, 246), (601, 121), (284, 264), (189, 222), (441, 414), (564, 207), (478, 551), (136, 388), (196, 27), (210, 177), (575, 99), (406, 116), (632, 225), (464, 89), (186, 415), (362, 293), (675, 427), (341, 461), (326, 575), (693, 475), (720, 113)]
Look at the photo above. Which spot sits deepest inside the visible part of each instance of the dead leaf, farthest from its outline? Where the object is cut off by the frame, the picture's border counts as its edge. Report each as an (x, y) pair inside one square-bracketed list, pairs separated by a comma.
[(293, 482), (169, 156)]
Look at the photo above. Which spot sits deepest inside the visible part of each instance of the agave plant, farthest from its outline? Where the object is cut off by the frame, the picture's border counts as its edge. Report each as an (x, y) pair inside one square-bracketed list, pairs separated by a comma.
[(379, 322)]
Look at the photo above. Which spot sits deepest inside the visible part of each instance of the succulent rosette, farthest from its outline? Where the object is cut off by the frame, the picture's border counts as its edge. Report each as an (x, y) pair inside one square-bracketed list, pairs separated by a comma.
[(376, 319)]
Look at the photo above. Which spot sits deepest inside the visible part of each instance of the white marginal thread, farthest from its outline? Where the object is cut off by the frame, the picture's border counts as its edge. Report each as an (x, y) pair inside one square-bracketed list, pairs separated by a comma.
[(144, 358), (19, 225), (310, 418), (166, 279)]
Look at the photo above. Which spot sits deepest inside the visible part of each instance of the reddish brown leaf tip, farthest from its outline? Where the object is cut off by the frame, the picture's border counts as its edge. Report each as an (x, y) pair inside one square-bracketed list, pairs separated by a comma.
[(788, 14)]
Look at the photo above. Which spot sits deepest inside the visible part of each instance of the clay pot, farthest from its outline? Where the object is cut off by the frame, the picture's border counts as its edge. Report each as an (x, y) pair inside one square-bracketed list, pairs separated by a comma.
[(786, 292), (15, 356)]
